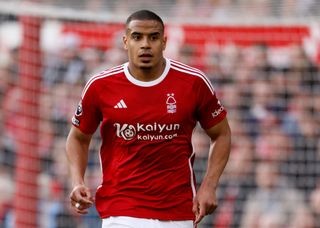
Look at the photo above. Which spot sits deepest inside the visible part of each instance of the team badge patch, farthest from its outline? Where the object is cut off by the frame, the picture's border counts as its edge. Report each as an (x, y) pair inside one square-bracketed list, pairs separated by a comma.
[(79, 109), (171, 103)]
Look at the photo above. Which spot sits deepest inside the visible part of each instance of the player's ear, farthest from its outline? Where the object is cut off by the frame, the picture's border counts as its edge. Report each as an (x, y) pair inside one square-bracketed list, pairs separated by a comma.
[(125, 42), (164, 42)]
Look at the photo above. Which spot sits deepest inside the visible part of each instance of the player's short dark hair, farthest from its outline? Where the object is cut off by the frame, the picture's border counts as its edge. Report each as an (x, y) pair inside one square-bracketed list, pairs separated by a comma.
[(144, 15)]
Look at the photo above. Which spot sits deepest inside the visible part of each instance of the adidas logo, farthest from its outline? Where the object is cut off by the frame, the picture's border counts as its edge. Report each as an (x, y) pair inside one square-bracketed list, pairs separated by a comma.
[(120, 104)]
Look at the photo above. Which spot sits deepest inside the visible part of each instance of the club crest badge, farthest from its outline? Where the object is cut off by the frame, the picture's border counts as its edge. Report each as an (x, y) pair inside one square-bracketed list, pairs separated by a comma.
[(171, 103)]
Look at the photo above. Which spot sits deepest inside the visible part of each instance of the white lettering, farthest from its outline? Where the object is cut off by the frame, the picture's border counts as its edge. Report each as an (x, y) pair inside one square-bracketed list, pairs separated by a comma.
[(217, 112), (120, 128), (140, 127), (162, 127), (128, 132), (149, 127)]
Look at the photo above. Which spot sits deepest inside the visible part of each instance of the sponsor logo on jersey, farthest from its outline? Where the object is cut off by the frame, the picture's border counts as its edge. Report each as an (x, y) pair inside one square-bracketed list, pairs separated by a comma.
[(171, 103), (217, 112), (120, 104), (155, 131), (75, 121)]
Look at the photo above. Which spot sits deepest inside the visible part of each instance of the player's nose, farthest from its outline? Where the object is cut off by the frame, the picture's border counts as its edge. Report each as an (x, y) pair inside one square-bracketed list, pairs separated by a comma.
[(145, 43)]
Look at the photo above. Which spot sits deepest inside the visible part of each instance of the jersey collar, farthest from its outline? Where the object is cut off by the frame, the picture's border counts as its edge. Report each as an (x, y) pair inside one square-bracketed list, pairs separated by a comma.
[(149, 83)]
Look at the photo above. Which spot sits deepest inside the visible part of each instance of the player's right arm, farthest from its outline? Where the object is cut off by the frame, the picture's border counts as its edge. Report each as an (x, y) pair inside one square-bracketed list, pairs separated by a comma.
[(77, 149)]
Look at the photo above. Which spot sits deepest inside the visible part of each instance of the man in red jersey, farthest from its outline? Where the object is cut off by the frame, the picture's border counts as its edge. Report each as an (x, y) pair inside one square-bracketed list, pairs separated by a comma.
[(147, 110)]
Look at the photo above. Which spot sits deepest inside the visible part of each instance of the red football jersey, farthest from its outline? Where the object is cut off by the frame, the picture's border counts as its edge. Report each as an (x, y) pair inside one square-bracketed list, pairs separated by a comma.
[(146, 130)]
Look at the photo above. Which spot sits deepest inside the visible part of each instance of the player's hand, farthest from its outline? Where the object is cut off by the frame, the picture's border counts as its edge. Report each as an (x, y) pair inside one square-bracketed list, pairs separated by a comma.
[(204, 203), (81, 199)]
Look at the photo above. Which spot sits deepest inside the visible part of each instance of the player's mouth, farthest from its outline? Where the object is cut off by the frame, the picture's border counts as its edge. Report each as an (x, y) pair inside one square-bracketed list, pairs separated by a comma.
[(145, 56)]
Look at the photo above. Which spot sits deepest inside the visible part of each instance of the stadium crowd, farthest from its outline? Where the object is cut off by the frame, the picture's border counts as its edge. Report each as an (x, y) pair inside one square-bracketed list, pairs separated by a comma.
[(273, 176), (209, 9)]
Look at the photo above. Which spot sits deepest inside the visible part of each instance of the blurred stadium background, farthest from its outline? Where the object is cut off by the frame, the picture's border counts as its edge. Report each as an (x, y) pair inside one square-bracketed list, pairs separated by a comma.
[(263, 59)]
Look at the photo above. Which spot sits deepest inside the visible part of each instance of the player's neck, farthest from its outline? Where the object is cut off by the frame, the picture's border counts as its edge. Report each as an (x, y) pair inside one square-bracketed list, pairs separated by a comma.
[(147, 74)]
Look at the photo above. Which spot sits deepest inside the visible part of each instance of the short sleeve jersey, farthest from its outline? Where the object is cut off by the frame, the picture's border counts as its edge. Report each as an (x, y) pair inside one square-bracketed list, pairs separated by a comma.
[(146, 129)]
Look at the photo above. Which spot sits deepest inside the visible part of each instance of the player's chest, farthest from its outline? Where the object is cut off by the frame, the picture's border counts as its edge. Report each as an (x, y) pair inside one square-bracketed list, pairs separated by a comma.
[(161, 104)]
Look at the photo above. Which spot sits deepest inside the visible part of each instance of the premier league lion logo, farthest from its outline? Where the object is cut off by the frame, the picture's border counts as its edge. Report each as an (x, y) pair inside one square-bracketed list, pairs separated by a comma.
[(79, 109)]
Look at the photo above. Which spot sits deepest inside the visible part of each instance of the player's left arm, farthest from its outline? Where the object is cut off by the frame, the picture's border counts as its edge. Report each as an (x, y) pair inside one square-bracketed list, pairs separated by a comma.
[(205, 201)]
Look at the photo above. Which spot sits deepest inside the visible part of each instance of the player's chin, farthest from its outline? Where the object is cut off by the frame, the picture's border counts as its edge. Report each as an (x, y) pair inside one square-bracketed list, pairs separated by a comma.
[(146, 65)]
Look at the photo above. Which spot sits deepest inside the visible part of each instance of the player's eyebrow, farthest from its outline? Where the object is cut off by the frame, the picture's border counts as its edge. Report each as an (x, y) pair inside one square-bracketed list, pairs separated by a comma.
[(149, 34), (136, 33), (155, 34), (140, 33)]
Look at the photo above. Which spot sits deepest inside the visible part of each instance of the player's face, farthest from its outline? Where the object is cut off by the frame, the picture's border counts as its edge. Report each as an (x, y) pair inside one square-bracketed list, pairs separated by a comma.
[(145, 43)]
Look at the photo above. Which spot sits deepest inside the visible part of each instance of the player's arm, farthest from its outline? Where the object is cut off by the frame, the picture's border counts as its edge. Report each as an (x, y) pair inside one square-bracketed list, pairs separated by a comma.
[(77, 148), (205, 201)]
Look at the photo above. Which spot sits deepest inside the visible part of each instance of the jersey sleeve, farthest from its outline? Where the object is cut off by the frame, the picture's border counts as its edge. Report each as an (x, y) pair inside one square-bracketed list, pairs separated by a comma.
[(210, 111), (87, 116)]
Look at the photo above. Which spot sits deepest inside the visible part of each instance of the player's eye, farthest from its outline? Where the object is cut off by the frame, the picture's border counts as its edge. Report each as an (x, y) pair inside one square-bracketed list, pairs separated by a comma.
[(154, 37), (136, 36)]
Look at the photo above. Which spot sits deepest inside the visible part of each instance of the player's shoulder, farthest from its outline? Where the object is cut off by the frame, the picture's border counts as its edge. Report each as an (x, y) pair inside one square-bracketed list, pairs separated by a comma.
[(185, 69), (105, 74), (114, 71), (189, 73), (108, 73)]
